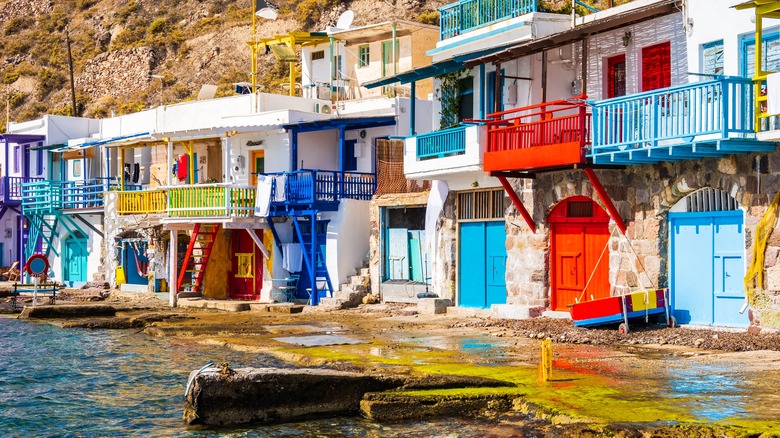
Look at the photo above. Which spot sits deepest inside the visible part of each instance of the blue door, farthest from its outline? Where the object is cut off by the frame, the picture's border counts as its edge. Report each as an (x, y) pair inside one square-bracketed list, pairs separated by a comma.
[(482, 264), (75, 260), (707, 268)]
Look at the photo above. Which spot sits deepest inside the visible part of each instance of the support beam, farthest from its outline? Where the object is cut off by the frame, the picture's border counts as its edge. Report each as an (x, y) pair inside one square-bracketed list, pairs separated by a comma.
[(413, 111), (518, 204), (342, 148), (173, 270), (170, 162), (605, 199), (513, 174), (272, 227), (315, 292), (89, 225), (258, 242)]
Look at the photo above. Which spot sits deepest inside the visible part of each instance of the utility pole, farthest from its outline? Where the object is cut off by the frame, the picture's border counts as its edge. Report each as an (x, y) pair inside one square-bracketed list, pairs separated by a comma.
[(70, 68), (7, 106)]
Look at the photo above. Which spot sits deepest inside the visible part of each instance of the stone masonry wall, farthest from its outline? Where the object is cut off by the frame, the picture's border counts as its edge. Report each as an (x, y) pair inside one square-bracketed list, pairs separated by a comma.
[(643, 195)]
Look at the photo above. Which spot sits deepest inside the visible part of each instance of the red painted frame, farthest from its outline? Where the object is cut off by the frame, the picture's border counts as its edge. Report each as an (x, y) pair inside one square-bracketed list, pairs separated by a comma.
[(546, 135)]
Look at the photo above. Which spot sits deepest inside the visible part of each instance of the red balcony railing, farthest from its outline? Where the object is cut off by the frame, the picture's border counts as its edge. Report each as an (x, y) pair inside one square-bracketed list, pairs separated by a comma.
[(548, 135)]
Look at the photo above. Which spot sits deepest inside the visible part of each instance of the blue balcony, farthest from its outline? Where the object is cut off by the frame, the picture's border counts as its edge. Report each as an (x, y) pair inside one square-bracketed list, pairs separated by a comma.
[(442, 143), (466, 15), (322, 190), (693, 121)]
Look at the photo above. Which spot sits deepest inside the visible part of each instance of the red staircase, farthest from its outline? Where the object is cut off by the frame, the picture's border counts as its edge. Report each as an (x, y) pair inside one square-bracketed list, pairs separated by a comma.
[(197, 256)]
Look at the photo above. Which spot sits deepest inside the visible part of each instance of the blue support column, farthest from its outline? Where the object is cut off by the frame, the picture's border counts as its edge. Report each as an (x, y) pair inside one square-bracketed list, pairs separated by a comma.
[(342, 148), (315, 292), (482, 91), (413, 111)]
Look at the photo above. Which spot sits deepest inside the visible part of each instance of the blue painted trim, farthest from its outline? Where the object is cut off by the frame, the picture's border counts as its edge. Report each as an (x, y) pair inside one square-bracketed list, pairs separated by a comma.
[(294, 150), (476, 38), (413, 112), (586, 6), (483, 91), (342, 149), (692, 215)]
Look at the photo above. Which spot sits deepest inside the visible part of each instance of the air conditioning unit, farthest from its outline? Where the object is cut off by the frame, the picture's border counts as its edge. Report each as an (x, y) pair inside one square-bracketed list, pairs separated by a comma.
[(325, 109)]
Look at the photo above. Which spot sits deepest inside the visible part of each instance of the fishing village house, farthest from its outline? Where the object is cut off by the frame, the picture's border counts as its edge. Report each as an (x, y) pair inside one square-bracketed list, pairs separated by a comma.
[(625, 144), (56, 190), (184, 176)]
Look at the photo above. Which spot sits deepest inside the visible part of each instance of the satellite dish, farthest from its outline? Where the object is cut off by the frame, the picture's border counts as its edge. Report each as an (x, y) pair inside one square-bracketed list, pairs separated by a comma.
[(345, 20), (265, 10)]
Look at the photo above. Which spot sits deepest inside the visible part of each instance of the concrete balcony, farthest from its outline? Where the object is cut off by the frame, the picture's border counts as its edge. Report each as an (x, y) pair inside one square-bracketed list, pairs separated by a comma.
[(447, 152)]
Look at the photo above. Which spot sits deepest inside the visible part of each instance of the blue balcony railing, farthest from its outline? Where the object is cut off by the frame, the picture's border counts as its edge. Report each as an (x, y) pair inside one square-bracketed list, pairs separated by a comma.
[(46, 196), (312, 187), (465, 15), (709, 118), (439, 144), (11, 188)]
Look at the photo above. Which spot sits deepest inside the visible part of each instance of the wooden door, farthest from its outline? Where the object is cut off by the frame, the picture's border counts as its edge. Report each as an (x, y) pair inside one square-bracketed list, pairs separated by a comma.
[(257, 165), (579, 260), (616, 76), (246, 277), (656, 66)]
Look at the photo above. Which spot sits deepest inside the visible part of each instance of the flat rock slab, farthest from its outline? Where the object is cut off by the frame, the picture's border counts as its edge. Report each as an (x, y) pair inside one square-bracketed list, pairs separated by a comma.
[(67, 311), (275, 395), (383, 407), (319, 340)]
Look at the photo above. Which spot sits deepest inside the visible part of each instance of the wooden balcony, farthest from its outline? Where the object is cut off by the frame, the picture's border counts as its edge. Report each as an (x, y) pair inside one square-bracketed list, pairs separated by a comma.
[(211, 200), (43, 196), (466, 15), (322, 190), (692, 121), (547, 136), (142, 201)]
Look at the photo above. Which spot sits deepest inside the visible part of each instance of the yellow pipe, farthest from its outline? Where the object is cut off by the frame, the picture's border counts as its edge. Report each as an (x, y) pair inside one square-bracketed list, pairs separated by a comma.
[(191, 152), (292, 68)]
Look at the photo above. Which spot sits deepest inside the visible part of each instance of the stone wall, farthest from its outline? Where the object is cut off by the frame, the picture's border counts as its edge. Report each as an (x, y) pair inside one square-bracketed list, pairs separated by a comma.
[(643, 195), (118, 73), (25, 9)]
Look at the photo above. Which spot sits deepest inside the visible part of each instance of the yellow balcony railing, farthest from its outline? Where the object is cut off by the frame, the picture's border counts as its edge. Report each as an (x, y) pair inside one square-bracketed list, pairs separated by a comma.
[(141, 202), (208, 200)]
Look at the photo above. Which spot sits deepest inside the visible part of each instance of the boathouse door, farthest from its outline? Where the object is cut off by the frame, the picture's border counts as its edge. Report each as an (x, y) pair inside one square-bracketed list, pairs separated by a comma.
[(707, 268), (75, 260), (247, 267), (482, 249), (579, 232)]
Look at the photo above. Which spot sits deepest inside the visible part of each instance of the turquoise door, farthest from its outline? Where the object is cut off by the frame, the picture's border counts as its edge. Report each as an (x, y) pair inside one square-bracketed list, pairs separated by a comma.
[(482, 264), (75, 260), (707, 268)]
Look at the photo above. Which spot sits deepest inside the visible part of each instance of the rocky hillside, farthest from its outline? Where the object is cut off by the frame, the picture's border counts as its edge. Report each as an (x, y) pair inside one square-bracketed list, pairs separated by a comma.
[(132, 54)]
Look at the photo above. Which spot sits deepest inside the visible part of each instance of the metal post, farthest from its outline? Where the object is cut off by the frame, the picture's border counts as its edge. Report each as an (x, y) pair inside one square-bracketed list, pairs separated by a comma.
[(315, 294), (292, 68), (170, 157), (173, 284), (254, 46), (413, 111)]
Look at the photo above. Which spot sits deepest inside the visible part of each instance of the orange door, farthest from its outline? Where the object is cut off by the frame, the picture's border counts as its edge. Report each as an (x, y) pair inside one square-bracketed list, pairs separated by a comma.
[(579, 259), (257, 165)]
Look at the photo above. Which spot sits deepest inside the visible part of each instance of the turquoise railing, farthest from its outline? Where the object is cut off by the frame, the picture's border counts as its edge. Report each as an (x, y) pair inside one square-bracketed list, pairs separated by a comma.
[(465, 15), (44, 196), (438, 144), (716, 109)]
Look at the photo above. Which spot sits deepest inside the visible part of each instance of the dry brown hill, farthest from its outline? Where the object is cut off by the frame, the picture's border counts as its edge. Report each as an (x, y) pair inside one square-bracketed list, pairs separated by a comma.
[(118, 46)]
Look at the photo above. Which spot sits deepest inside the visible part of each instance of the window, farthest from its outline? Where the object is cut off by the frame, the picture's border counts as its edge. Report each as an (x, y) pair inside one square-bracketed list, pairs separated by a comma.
[(17, 159), (712, 58), (388, 58), (616, 76), (245, 265), (466, 92), (39, 161), (770, 55), (363, 56), (319, 54), (76, 168), (481, 205), (656, 66), (337, 72)]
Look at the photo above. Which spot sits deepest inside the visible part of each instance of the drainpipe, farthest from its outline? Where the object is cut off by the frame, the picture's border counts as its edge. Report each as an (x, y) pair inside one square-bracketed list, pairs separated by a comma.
[(392, 49), (330, 72), (482, 89)]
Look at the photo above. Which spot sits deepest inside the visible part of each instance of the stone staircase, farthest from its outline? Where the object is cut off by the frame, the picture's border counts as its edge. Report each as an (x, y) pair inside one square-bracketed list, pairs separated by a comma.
[(350, 294)]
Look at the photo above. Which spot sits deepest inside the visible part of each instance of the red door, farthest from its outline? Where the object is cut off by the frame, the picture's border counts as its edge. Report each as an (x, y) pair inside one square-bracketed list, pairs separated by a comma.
[(579, 257), (656, 66), (616, 76), (246, 276)]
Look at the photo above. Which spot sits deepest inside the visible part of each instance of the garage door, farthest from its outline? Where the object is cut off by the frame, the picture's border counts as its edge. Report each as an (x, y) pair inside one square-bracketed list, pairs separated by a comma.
[(707, 263)]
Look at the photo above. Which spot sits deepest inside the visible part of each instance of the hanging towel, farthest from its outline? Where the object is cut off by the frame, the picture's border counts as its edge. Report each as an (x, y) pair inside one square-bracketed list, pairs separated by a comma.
[(182, 167), (773, 93), (279, 194), (263, 196), (292, 257)]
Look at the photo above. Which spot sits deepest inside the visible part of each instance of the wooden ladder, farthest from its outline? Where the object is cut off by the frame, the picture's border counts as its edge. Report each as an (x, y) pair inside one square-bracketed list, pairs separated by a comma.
[(197, 256)]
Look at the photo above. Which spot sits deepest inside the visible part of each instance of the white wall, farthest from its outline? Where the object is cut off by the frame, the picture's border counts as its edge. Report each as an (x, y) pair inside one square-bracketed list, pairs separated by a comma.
[(94, 246), (659, 30), (318, 150), (347, 240)]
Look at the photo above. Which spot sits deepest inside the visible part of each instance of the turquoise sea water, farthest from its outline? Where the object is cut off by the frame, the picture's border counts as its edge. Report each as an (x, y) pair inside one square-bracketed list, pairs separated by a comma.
[(82, 383)]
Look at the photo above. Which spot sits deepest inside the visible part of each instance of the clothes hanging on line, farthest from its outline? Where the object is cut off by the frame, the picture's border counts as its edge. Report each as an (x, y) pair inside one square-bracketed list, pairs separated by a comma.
[(292, 257), (182, 167), (263, 196)]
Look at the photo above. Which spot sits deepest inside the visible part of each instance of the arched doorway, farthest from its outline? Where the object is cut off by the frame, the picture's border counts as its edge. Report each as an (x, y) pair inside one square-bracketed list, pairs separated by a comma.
[(579, 234), (707, 267)]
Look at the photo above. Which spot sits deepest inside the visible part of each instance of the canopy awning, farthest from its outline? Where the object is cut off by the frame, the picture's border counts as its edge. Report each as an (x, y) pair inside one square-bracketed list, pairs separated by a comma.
[(435, 69), (347, 123), (765, 8), (21, 138), (79, 144)]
